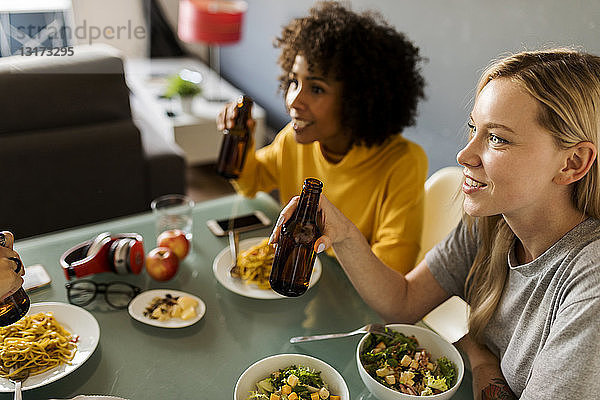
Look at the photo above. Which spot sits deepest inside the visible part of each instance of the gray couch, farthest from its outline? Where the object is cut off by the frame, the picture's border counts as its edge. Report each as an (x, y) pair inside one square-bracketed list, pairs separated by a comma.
[(70, 153)]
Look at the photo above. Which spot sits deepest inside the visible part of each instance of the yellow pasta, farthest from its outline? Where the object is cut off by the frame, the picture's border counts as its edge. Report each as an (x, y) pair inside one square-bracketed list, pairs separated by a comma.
[(255, 264), (36, 343)]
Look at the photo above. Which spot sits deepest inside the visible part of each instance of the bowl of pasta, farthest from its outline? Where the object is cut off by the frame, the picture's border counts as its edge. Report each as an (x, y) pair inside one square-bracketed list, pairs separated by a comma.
[(291, 376), (413, 363), (51, 341), (255, 259)]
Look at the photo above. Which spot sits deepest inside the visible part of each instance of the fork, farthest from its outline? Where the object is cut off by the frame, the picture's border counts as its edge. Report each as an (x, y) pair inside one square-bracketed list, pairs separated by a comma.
[(378, 329), (18, 379), (234, 237)]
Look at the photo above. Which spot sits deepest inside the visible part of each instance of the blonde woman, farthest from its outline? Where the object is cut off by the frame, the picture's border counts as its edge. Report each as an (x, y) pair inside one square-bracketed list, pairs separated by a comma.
[(525, 256)]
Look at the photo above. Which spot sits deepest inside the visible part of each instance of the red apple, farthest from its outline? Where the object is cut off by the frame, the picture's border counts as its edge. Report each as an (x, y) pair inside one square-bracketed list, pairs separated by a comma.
[(175, 240), (162, 263)]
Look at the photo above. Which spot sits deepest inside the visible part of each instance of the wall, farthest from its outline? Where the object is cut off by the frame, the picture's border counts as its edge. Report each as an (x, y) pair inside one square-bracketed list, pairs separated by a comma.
[(458, 37), (170, 9), (119, 23), (105, 14)]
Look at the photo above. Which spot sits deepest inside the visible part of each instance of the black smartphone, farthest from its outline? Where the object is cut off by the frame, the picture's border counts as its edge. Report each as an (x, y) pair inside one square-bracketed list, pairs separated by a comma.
[(241, 223)]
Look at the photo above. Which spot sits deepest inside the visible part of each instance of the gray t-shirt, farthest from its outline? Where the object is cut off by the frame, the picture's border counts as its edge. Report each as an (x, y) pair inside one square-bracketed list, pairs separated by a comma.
[(546, 329)]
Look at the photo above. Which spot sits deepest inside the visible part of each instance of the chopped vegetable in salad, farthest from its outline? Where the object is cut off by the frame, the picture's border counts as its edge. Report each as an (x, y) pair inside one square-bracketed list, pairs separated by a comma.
[(399, 364), (292, 383)]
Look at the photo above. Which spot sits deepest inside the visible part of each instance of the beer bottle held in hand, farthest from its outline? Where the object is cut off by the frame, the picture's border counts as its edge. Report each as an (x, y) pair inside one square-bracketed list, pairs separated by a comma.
[(235, 140), (295, 255), (15, 306)]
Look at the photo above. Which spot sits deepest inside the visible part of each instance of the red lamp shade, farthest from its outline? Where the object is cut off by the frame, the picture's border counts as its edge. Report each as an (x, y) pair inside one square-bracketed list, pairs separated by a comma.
[(211, 21)]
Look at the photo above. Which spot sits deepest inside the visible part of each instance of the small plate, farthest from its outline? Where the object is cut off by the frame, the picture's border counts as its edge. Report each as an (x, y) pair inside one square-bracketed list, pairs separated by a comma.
[(141, 301), (77, 321), (222, 265)]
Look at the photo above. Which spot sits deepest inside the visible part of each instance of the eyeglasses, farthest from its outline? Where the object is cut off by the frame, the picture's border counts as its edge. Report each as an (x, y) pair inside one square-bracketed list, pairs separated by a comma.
[(117, 294)]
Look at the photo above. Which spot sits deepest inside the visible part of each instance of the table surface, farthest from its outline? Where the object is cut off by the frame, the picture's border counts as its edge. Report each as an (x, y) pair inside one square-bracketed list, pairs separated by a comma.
[(203, 361)]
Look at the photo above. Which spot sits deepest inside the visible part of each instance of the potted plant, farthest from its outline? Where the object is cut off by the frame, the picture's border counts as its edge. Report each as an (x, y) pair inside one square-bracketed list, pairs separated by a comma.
[(185, 89)]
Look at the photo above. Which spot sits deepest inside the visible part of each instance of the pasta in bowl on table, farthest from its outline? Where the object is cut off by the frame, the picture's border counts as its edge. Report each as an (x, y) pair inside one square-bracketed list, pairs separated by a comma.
[(36, 343), (61, 336), (254, 264), (255, 259)]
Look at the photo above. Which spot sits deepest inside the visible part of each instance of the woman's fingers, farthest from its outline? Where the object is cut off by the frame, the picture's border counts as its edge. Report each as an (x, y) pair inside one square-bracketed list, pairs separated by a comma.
[(11, 267), (10, 286), (322, 244), (221, 119), (7, 239), (18, 265), (326, 221), (226, 117), (11, 260), (251, 124), (331, 222), (284, 215), (230, 114), (16, 285), (10, 282), (6, 243)]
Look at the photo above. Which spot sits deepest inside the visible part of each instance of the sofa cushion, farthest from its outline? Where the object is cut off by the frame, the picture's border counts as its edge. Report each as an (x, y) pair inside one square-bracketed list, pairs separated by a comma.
[(51, 92), (75, 176)]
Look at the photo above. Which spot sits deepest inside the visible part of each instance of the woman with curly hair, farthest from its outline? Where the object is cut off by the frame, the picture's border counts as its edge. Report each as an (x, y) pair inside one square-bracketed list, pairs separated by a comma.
[(351, 84)]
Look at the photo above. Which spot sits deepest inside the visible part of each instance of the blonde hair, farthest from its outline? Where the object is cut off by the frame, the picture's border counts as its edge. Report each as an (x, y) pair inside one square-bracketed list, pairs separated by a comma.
[(566, 84)]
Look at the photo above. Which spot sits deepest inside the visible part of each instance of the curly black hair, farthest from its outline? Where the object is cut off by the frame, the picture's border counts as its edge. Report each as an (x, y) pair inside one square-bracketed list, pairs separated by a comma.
[(377, 66)]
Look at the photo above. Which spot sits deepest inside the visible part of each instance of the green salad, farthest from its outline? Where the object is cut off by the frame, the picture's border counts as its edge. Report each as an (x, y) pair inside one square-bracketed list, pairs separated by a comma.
[(400, 364), (292, 383)]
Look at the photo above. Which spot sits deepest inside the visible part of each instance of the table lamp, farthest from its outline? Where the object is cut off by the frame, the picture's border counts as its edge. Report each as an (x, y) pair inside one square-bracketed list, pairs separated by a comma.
[(212, 22)]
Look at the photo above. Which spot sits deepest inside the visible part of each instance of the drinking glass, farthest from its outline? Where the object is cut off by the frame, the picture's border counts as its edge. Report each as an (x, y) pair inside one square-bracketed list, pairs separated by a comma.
[(173, 211)]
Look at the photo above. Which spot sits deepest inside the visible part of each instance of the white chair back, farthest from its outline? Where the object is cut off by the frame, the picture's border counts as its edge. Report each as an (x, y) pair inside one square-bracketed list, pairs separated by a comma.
[(443, 210), (443, 206)]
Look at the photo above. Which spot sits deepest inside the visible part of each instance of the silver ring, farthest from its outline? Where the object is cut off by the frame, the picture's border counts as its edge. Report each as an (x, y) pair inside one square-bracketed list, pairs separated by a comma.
[(18, 262), (2, 240)]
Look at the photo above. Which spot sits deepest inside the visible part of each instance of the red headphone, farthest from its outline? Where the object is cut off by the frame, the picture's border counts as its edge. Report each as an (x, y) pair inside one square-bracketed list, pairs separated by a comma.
[(122, 253)]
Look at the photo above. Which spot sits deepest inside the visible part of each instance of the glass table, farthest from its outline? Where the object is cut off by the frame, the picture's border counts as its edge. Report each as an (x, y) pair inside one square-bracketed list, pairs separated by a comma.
[(203, 361)]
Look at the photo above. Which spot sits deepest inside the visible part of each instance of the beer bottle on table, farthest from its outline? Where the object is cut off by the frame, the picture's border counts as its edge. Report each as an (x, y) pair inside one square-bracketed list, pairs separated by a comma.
[(235, 140), (295, 255), (15, 306)]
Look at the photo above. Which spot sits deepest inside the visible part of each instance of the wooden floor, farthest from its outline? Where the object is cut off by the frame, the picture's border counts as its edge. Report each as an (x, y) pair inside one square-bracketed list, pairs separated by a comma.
[(203, 183)]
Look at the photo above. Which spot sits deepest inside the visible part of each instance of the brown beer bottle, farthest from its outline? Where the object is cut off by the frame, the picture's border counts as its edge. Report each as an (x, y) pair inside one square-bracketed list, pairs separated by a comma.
[(295, 255), (15, 306), (235, 140)]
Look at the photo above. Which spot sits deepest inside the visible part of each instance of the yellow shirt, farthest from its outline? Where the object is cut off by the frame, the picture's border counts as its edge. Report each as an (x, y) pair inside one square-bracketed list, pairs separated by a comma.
[(380, 189)]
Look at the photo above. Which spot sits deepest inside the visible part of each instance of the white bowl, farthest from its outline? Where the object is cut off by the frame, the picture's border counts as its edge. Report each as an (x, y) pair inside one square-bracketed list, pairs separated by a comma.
[(430, 341), (263, 368)]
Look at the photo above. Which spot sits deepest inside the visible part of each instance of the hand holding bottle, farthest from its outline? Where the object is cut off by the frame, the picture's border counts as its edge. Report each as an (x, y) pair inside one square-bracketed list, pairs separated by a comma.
[(295, 253), (11, 267), (237, 137), (335, 226), (227, 117)]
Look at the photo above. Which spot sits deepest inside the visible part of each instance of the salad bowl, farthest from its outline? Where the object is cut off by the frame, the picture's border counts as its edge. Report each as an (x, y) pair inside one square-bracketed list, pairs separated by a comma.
[(428, 340), (263, 368)]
